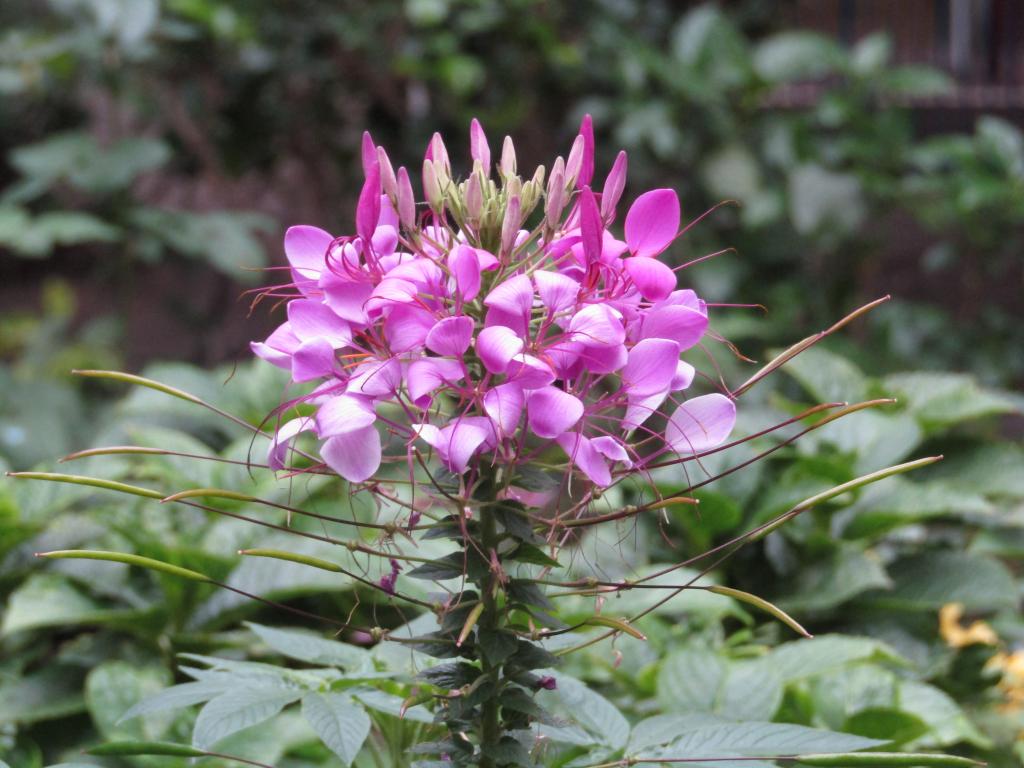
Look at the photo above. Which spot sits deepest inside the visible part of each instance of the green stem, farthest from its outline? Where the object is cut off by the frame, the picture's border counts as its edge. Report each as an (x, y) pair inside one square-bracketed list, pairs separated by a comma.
[(490, 619)]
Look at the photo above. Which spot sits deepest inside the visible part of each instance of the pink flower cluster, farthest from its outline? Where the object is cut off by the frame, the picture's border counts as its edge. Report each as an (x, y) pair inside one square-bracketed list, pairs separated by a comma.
[(498, 317)]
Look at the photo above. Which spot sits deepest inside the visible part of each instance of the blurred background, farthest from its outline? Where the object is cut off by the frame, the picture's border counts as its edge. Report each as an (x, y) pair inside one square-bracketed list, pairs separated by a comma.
[(152, 153)]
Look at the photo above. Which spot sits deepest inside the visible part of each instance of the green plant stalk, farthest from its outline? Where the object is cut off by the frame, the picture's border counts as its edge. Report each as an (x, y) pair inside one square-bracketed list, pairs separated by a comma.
[(490, 619)]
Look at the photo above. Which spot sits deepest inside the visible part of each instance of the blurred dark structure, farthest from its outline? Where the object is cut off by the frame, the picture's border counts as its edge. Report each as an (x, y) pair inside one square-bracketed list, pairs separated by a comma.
[(980, 43)]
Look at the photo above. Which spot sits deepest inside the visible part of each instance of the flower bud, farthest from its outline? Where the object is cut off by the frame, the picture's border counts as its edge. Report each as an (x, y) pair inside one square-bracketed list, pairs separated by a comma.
[(555, 203), (613, 186), (510, 224), (437, 152), (474, 199), (388, 182), (406, 201), (432, 187), (574, 163), (478, 147), (508, 158)]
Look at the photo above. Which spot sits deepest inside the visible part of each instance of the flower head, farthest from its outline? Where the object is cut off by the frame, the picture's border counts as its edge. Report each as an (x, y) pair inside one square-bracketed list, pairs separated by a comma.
[(501, 317)]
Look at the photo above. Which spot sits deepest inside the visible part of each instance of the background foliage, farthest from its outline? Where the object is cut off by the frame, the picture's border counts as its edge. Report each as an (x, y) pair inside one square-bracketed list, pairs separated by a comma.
[(154, 151)]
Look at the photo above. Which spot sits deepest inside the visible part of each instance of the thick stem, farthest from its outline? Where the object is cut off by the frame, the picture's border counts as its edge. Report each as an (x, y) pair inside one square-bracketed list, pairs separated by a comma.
[(490, 619)]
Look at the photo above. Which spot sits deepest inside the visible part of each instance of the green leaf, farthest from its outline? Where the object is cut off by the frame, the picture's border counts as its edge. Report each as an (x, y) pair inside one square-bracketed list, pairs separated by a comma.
[(828, 377), (844, 574), (49, 600), (887, 760), (698, 680), (927, 581), (589, 709), (801, 659), (662, 729), (886, 723), (392, 705), (900, 502), (497, 645), (941, 400), (340, 723), (178, 697), (528, 553), (820, 198), (797, 56), (237, 709), (113, 688), (761, 740), (51, 693), (306, 646)]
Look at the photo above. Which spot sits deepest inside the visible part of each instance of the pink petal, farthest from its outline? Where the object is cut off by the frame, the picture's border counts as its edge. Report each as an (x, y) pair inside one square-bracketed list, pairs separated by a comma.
[(700, 424), (429, 374), (591, 227), (279, 346), (614, 184), (478, 147), (313, 359), (653, 279), (585, 456), (347, 299), (557, 291), (281, 442), (652, 222), (355, 456), (458, 442), (514, 296), (603, 359), (552, 411), (376, 378), (385, 236), (368, 152), (306, 248), (611, 448), (388, 294), (496, 346), (450, 336), (681, 324), (640, 408), (684, 376), (515, 322), (407, 327), (341, 414), (312, 320), (504, 404), (368, 208), (587, 163), (529, 372), (465, 267), (597, 325), (651, 367)]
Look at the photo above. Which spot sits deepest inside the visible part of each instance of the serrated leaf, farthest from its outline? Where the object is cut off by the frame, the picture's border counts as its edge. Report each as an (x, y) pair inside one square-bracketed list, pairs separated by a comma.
[(528, 553), (760, 740), (178, 697), (393, 705), (929, 580), (497, 645), (801, 659), (589, 709), (340, 723), (237, 709), (305, 646)]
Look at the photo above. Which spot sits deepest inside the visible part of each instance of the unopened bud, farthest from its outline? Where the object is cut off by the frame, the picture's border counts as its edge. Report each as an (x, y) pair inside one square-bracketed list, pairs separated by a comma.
[(575, 162), (406, 201), (478, 147), (510, 224), (508, 158), (387, 174), (432, 187), (437, 152), (613, 186), (474, 199), (555, 203)]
